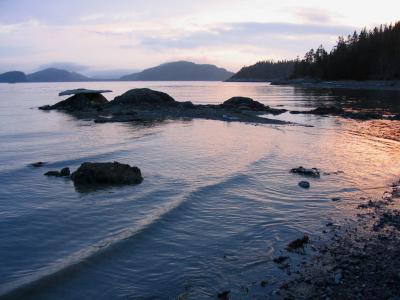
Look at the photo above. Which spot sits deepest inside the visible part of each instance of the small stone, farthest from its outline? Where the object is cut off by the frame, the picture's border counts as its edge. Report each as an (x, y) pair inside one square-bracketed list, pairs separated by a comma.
[(264, 283), (298, 243), (304, 184), (336, 199), (224, 295)]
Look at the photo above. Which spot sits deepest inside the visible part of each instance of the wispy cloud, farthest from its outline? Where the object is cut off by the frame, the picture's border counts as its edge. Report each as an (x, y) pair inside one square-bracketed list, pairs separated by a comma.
[(253, 33), (314, 15)]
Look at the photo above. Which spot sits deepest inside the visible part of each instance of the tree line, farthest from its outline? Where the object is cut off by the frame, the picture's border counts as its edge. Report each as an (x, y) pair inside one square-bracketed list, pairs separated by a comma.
[(265, 70), (368, 55)]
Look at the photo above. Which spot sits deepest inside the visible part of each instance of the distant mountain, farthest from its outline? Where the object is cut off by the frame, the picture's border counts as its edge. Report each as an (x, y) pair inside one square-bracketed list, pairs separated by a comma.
[(265, 71), (112, 74), (180, 71), (56, 75), (13, 76)]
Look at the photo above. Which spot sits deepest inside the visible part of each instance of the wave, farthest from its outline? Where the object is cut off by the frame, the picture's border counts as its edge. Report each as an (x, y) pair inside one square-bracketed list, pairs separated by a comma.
[(71, 263)]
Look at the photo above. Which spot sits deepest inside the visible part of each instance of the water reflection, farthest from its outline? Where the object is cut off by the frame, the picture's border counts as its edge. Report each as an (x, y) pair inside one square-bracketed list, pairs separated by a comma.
[(217, 203)]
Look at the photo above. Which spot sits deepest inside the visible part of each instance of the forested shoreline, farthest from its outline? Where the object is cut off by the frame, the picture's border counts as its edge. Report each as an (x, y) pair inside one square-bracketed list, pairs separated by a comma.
[(368, 55)]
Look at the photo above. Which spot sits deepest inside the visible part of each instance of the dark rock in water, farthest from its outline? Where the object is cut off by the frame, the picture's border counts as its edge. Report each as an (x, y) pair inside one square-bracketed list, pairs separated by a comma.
[(280, 259), (106, 173), (395, 118), (264, 283), (53, 173), (65, 172), (298, 243), (224, 295), (338, 111), (144, 98), (327, 110), (322, 110), (245, 103), (313, 172), (79, 102), (336, 199), (304, 184), (38, 164)]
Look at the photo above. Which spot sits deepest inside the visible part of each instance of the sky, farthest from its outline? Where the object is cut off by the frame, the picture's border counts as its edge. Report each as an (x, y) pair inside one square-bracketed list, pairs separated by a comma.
[(91, 36)]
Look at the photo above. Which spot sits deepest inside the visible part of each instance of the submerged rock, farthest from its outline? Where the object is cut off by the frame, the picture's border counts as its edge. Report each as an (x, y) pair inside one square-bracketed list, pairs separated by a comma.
[(38, 164), (53, 173), (327, 110), (144, 98), (106, 173), (65, 172), (338, 111), (322, 110), (79, 102), (313, 172), (280, 259), (298, 243), (304, 184)]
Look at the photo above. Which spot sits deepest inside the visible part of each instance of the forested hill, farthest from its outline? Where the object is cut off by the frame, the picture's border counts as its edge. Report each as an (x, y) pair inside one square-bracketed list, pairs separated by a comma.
[(368, 55), (180, 71), (264, 71)]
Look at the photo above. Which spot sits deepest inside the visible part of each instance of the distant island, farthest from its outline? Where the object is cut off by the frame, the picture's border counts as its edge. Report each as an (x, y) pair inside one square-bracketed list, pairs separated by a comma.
[(265, 71), (173, 71), (180, 71)]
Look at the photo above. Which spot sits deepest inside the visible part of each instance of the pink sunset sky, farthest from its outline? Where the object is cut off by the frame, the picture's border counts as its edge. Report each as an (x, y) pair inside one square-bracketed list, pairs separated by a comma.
[(89, 36)]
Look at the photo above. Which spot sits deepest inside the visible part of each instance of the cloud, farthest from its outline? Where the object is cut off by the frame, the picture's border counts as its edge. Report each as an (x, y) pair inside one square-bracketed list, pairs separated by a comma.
[(253, 33), (313, 15)]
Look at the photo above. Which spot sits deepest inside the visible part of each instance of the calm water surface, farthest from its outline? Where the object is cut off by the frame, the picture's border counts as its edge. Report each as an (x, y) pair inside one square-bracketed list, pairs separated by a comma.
[(217, 203)]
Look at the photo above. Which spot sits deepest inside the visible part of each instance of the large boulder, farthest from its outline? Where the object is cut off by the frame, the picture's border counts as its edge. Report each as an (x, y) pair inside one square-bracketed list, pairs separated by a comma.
[(79, 102), (144, 98), (243, 103), (106, 173)]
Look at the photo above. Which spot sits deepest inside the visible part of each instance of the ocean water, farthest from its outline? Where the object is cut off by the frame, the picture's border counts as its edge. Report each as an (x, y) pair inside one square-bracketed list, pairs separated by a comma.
[(217, 203)]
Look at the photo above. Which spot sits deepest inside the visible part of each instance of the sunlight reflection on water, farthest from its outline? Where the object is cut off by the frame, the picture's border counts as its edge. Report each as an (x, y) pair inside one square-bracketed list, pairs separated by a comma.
[(217, 203)]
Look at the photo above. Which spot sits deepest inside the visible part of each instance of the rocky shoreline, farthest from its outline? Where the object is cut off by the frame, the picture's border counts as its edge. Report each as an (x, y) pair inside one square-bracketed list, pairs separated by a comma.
[(360, 261), (387, 85)]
